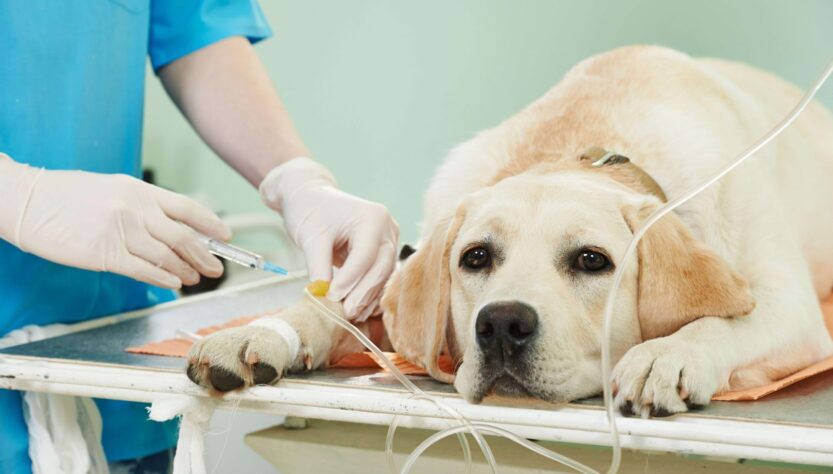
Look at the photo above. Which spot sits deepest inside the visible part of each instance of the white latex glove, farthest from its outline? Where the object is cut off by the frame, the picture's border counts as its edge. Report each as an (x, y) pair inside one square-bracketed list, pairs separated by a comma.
[(105, 222), (335, 228)]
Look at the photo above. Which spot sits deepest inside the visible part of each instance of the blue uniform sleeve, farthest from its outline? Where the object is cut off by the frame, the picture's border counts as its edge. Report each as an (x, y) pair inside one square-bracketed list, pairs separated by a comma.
[(179, 27)]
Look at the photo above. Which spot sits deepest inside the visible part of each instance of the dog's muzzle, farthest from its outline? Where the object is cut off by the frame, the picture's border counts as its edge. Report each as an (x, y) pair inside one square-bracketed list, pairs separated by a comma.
[(504, 331)]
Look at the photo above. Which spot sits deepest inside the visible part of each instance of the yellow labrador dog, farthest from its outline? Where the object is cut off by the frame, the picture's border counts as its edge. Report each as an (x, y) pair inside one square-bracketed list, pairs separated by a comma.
[(525, 223)]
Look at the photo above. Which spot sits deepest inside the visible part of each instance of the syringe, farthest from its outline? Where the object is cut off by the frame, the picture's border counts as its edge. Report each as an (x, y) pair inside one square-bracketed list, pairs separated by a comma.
[(239, 256)]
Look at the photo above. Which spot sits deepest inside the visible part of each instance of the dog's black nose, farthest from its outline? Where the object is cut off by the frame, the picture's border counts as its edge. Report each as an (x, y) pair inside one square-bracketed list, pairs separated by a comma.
[(505, 328)]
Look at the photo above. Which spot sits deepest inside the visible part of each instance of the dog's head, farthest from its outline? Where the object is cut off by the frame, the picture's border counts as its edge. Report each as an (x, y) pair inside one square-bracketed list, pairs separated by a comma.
[(513, 286)]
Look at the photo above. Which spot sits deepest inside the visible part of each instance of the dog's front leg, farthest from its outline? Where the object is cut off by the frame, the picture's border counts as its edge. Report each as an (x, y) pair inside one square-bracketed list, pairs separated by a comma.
[(262, 352), (783, 334)]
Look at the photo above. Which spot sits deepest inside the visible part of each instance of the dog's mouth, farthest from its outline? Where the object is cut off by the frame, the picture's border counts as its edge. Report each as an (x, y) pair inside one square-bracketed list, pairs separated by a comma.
[(504, 384), (507, 385)]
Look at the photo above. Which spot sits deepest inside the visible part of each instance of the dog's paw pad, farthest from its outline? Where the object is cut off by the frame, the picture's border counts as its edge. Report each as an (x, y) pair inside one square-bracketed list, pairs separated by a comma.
[(224, 380), (660, 412), (236, 358), (264, 373), (692, 406)]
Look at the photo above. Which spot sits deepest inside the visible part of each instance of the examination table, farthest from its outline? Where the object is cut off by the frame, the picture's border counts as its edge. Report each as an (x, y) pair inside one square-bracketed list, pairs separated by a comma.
[(337, 418)]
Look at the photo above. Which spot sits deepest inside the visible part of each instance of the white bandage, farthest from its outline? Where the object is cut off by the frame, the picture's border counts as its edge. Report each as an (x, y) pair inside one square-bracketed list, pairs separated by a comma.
[(284, 330)]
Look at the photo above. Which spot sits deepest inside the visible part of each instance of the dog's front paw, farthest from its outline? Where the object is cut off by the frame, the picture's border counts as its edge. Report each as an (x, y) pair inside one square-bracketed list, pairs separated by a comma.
[(239, 357), (662, 377)]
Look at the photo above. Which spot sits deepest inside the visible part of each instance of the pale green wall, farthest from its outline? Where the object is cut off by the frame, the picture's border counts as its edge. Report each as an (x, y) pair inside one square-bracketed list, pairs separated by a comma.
[(381, 89)]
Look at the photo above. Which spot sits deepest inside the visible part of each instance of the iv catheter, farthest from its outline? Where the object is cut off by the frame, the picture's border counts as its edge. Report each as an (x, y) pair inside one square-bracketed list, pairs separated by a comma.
[(239, 256)]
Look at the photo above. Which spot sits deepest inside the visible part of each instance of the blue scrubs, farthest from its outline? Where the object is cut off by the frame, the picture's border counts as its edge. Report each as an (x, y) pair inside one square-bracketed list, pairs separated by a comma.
[(71, 97)]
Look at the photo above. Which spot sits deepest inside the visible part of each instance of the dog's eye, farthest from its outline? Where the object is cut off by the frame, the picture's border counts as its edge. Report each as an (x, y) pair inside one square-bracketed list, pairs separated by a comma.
[(591, 261), (477, 258)]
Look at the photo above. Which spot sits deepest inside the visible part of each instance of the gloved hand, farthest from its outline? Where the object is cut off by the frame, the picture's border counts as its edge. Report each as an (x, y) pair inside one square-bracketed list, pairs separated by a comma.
[(103, 222), (335, 228)]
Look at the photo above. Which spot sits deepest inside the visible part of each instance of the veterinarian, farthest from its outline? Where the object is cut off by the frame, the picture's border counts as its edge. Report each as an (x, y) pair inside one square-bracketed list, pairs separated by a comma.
[(80, 239)]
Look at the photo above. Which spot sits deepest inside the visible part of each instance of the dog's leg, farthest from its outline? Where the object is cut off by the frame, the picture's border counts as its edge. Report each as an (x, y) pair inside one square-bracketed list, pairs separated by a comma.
[(783, 334), (240, 357)]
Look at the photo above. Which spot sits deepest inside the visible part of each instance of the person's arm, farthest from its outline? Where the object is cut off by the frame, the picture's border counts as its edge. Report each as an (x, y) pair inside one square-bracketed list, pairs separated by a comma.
[(225, 92)]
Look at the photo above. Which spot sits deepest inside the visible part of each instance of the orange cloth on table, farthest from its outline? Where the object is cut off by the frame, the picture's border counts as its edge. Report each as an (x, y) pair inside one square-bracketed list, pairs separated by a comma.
[(178, 347)]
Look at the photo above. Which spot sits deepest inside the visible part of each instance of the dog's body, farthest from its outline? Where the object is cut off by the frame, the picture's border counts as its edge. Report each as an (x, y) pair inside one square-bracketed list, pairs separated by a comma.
[(521, 236)]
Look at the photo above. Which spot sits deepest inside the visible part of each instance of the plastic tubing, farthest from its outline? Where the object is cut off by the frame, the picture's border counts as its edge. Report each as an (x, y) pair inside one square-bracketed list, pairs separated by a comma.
[(657, 215), (496, 430), (475, 429), (484, 446)]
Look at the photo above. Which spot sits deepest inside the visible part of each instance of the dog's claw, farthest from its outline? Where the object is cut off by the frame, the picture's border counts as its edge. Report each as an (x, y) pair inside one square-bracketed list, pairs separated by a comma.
[(626, 409)]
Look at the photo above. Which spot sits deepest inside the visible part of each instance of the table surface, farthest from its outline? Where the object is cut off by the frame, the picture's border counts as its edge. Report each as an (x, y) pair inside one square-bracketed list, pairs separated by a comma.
[(806, 403)]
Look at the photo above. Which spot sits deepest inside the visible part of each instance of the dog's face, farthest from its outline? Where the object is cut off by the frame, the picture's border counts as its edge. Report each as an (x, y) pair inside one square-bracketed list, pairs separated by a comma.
[(514, 287), (530, 269)]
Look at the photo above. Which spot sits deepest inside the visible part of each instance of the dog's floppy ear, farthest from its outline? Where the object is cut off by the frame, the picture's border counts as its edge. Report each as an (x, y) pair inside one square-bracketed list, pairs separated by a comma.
[(416, 299), (680, 278)]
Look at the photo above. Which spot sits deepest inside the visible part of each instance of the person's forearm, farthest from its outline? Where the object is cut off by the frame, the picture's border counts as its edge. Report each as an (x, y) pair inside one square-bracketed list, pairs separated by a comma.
[(226, 94)]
